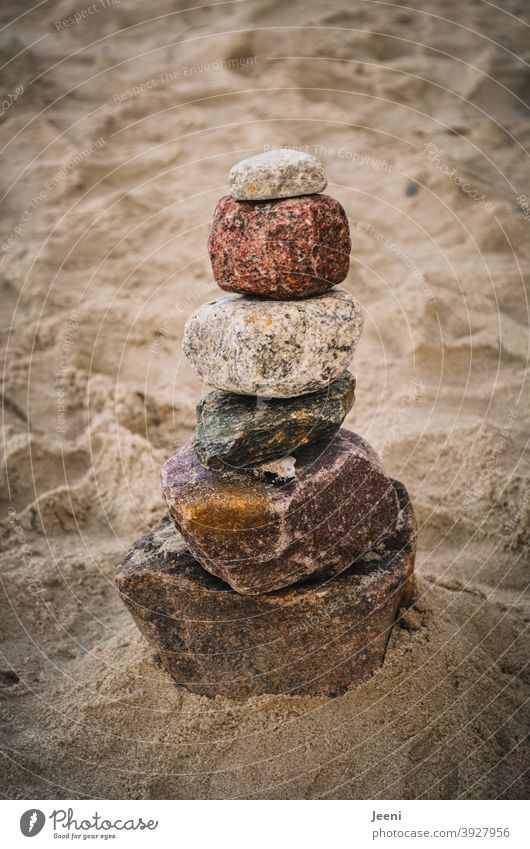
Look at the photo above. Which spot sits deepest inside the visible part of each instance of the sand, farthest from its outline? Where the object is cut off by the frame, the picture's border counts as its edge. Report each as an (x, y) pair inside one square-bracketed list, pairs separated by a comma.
[(418, 115)]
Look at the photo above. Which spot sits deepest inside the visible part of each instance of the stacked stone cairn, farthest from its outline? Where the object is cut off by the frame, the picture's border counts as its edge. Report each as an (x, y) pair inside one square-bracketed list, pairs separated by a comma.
[(287, 552)]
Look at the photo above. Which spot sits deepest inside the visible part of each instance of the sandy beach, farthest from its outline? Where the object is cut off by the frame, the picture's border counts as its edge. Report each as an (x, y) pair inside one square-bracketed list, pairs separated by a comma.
[(119, 124)]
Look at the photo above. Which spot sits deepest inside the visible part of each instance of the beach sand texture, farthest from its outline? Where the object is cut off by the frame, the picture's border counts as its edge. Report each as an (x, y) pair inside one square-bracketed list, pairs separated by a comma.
[(118, 133)]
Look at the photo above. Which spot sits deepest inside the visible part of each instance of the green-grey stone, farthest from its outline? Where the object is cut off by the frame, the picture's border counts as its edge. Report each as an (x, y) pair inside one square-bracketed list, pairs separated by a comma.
[(238, 431)]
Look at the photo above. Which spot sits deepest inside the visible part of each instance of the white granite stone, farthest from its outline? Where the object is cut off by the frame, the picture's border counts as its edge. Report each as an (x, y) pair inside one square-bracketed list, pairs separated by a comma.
[(279, 173), (277, 348)]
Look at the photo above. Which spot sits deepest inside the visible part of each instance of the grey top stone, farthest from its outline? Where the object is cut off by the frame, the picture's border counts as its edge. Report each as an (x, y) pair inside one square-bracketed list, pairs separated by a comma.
[(280, 349), (277, 174)]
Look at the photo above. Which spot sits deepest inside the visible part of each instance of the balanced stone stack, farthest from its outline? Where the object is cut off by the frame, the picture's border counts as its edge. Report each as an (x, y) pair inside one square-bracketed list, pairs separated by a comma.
[(287, 551)]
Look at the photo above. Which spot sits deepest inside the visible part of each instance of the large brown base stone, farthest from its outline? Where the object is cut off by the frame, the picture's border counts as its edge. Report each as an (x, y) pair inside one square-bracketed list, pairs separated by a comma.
[(312, 638)]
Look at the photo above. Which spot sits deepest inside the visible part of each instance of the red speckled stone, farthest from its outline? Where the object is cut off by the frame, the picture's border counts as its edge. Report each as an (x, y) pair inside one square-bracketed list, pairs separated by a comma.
[(289, 248)]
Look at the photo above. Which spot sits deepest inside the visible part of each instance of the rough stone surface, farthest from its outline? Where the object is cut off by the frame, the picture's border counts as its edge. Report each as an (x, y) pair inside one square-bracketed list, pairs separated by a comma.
[(258, 537), (237, 431), (319, 638), (277, 174), (280, 249), (276, 471), (275, 348)]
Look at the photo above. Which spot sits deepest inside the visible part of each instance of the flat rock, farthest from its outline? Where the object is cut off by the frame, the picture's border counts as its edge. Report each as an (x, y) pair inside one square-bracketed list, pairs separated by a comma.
[(277, 174), (280, 249), (258, 537), (320, 638), (238, 431), (274, 348)]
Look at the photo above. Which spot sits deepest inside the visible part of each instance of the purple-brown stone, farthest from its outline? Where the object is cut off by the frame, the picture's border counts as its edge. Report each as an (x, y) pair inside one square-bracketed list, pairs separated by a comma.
[(282, 249), (319, 638), (259, 537)]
